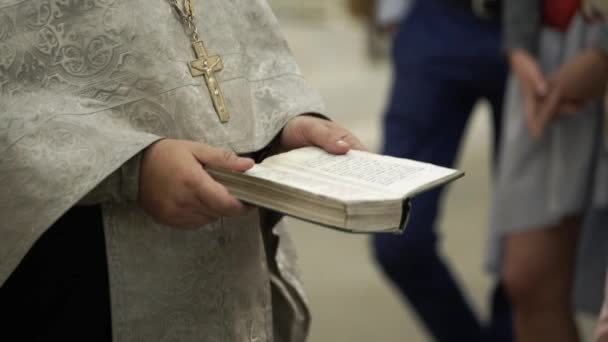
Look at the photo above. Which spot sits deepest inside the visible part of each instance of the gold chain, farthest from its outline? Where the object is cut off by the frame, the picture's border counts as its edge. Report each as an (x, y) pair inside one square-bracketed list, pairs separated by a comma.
[(186, 16)]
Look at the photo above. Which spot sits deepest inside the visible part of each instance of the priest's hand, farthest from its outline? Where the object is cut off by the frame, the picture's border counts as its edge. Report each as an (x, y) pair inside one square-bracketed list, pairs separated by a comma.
[(306, 130), (176, 191)]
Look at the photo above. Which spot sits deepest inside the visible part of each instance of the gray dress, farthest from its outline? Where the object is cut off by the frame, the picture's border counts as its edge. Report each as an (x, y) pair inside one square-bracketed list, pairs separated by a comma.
[(541, 181)]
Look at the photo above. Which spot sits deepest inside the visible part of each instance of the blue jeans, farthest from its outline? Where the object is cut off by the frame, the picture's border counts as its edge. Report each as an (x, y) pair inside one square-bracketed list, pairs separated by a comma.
[(445, 60)]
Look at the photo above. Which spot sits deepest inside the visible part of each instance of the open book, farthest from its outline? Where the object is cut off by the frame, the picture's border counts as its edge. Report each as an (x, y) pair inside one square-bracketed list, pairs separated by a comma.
[(358, 192)]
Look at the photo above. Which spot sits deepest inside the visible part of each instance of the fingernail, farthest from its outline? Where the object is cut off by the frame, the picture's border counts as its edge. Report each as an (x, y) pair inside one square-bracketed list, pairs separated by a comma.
[(245, 160), (341, 143)]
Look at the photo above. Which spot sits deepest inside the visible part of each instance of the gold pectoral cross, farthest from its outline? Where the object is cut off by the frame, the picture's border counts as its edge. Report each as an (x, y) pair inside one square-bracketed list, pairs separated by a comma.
[(206, 66)]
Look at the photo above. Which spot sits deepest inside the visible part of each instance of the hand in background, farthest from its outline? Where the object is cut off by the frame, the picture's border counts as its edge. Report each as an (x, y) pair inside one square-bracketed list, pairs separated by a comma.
[(306, 130), (533, 86), (176, 191), (577, 82)]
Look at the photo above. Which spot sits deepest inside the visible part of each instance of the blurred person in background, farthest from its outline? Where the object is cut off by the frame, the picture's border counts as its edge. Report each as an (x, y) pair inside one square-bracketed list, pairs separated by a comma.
[(382, 19), (547, 161), (447, 56), (579, 82)]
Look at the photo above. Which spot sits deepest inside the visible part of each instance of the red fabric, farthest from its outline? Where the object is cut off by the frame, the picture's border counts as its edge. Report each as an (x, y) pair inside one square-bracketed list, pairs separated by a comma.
[(559, 13)]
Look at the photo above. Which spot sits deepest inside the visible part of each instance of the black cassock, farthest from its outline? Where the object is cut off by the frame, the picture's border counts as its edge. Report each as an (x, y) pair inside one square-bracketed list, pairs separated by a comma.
[(60, 290)]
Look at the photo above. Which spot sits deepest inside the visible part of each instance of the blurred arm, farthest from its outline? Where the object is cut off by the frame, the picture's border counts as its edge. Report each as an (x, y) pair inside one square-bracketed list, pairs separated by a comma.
[(522, 20), (602, 42), (391, 11)]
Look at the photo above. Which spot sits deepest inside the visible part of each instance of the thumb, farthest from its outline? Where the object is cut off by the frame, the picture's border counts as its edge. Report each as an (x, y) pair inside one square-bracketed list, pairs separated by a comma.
[(549, 110), (535, 88), (537, 80), (221, 158), (329, 138), (531, 107)]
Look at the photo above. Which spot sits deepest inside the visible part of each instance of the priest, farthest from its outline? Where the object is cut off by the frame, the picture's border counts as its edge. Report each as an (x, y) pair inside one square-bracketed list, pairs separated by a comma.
[(110, 228)]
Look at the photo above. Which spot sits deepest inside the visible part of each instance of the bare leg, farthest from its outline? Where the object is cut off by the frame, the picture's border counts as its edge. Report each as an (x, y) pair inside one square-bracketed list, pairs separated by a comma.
[(601, 332), (538, 273)]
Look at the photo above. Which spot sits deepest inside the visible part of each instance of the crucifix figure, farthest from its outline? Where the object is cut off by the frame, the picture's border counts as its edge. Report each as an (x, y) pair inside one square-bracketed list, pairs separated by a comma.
[(206, 66)]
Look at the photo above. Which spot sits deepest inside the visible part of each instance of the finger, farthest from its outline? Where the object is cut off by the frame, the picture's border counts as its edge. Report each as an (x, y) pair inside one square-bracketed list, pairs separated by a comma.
[(216, 200), (530, 112), (337, 143), (549, 110), (222, 158), (570, 108), (538, 82), (186, 213), (355, 143), (329, 137), (194, 220)]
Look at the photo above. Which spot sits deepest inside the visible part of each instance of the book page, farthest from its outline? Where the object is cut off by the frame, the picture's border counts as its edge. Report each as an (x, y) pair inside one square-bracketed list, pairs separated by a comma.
[(361, 168), (322, 186), (381, 173)]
